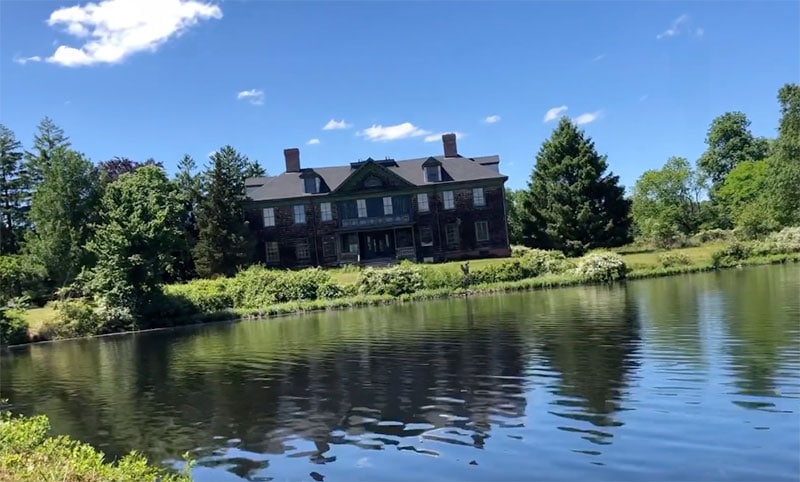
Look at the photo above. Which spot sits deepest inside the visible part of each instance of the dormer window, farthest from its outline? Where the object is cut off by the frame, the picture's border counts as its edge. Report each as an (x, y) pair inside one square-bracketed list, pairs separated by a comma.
[(433, 173), (312, 184)]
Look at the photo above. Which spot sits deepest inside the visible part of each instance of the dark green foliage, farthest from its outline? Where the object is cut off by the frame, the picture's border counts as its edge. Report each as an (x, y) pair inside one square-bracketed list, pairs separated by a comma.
[(253, 169), (138, 231), (14, 194), (63, 208), (572, 204), (21, 277), (393, 281), (731, 254), (515, 214), (784, 165), (189, 186), (113, 168), (224, 240), (48, 140), (729, 142), (13, 327), (29, 454)]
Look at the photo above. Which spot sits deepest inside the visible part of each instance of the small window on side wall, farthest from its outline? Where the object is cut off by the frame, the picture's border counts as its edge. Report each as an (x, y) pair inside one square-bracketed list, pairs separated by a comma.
[(482, 231)]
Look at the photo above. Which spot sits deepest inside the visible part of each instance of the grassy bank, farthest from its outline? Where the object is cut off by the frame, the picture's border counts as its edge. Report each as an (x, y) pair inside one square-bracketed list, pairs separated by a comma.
[(29, 454), (258, 292)]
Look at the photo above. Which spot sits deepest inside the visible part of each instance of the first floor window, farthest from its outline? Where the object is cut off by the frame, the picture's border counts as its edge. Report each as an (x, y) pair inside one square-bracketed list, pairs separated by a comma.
[(362, 207), (269, 217), (425, 236), (478, 200), (352, 243), (451, 234), (325, 211), (273, 254), (299, 214), (422, 202), (302, 251), (449, 200), (482, 231), (387, 206), (328, 247)]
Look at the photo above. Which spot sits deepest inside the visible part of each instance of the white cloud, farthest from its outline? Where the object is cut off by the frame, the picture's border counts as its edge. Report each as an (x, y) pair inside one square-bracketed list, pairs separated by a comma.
[(254, 96), (679, 26), (553, 113), (438, 137), (25, 60), (492, 119), (643, 98), (587, 117), (312, 142), (333, 124), (378, 133), (112, 30), (599, 58)]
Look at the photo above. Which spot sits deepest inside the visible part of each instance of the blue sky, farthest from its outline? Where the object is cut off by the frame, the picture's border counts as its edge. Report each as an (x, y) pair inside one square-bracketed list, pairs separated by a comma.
[(144, 78)]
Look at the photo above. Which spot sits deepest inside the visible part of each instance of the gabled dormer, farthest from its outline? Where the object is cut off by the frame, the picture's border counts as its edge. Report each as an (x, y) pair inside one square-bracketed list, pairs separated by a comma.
[(312, 182), (432, 169)]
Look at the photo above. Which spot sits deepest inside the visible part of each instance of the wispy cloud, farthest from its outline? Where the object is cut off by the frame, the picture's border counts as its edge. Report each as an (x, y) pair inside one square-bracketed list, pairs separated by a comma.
[(643, 98), (379, 133), (312, 142), (25, 60), (553, 113), (254, 96), (588, 117), (438, 137), (599, 58), (112, 30), (681, 25), (492, 119), (333, 124)]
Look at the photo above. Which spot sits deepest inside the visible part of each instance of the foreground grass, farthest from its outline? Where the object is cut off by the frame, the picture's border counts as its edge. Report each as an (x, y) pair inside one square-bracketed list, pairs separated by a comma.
[(29, 454)]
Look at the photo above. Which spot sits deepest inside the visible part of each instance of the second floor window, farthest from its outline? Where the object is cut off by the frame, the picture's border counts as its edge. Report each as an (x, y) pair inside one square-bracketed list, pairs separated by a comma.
[(269, 217), (299, 214), (477, 197), (449, 200), (312, 185), (433, 174), (361, 204), (422, 202), (387, 206), (325, 211)]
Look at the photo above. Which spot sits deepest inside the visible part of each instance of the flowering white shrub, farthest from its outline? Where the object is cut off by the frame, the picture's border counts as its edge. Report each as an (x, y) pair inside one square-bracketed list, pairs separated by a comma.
[(602, 266), (784, 241)]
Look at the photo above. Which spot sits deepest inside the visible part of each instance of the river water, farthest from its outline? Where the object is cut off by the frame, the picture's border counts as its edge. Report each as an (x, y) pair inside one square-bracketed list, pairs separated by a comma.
[(692, 377)]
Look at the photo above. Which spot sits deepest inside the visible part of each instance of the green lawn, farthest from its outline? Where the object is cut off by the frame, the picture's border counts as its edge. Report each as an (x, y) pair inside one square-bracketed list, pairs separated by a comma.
[(37, 316)]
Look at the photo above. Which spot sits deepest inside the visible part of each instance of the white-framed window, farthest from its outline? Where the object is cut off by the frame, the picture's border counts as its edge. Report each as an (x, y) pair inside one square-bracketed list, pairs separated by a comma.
[(325, 211), (299, 214), (433, 173), (312, 185), (387, 206), (449, 200), (352, 243), (481, 231), (422, 202), (361, 204), (451, 234), (478, 200), (269, 217), (425, 236), (302, 251), (273, 254)]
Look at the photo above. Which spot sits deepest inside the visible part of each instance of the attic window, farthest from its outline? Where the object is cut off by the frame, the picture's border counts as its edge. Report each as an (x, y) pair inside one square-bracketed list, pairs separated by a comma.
[(312, 184), (433, 173)]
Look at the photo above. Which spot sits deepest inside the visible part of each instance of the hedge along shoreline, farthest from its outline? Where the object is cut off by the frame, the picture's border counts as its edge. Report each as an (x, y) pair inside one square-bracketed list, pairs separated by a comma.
[(257, 292)]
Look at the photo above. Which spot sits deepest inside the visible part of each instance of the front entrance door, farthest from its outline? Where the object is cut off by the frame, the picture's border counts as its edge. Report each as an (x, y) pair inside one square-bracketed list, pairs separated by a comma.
[(377, 244)]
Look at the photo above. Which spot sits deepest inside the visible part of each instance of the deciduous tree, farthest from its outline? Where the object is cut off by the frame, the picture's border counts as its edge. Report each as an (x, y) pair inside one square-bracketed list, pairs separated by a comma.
[(729, 142), (784, 165)]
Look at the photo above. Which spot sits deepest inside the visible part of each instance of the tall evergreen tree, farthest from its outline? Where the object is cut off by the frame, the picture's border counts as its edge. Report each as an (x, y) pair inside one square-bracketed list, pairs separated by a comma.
[(784, 165), (47, 140), (13, 192), (189, 192), (62, 211), (224, 240), (254, 169), (571, 203)]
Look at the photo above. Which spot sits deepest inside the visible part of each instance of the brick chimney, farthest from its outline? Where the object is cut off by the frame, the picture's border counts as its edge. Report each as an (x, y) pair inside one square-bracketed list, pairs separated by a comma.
[(292, 159), (449, 142)]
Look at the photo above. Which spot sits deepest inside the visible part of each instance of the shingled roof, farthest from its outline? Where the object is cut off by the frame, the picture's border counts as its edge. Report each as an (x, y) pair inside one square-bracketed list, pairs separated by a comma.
[(454, 169)]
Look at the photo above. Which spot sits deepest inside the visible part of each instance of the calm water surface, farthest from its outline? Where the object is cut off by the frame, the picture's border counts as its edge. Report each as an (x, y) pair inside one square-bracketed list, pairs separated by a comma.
[(685, 378)]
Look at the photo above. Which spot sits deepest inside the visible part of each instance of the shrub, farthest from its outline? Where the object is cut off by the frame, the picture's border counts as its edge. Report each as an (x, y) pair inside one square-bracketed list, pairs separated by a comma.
[(518, 251), (257, 287), (393, 281), (77, 317), (784, 241), (731, 254), (13, 327), (601, 266), (540, 261), (673, 259), (21, 276), (28, 454), (201, 296), (436, 277), (711, 235)]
